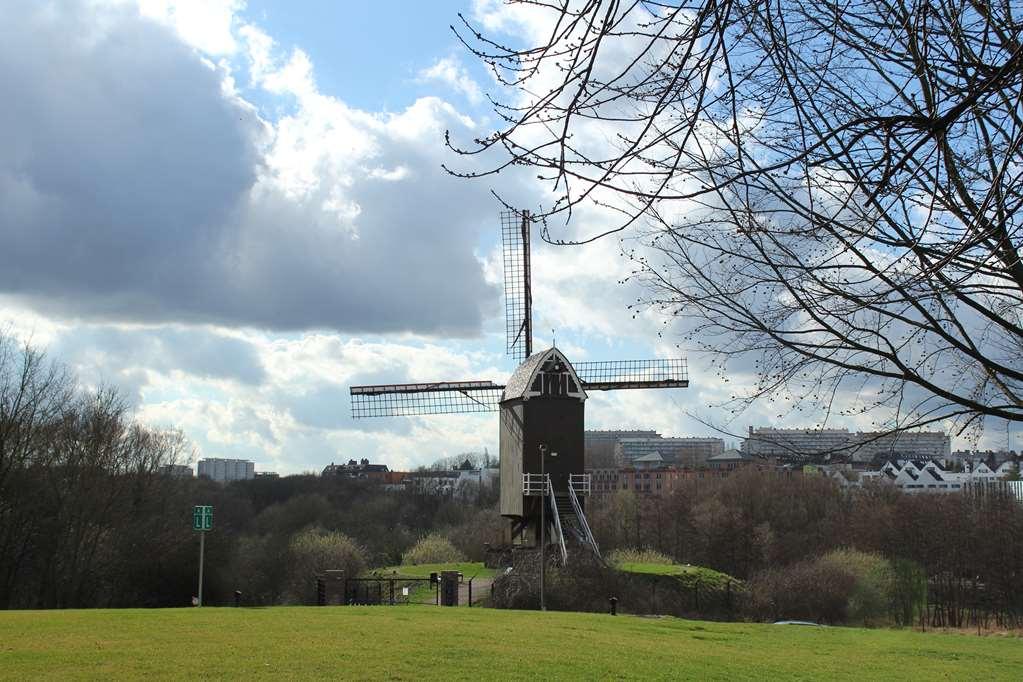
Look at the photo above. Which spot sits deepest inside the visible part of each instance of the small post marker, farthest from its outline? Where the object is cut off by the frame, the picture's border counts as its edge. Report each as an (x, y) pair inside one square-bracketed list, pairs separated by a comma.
[(614, 605), (202, 521)]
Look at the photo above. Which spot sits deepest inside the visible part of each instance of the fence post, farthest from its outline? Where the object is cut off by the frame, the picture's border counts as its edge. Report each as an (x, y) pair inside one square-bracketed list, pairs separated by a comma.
[(470, 590), (391, 585)]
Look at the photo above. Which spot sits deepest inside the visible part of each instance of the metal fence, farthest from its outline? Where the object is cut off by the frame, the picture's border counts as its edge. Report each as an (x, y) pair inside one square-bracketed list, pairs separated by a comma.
[(395, 590), (391, 590)]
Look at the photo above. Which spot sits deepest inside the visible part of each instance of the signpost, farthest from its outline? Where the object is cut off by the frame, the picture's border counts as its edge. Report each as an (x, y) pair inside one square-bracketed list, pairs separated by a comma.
[(202, 521)]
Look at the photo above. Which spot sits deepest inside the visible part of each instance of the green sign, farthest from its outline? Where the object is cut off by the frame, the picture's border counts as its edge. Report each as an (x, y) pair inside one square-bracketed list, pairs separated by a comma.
[(202, 517)]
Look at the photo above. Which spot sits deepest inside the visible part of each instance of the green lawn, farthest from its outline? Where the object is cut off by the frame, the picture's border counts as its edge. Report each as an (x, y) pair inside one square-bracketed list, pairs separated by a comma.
[(468, 569), (424, 642)]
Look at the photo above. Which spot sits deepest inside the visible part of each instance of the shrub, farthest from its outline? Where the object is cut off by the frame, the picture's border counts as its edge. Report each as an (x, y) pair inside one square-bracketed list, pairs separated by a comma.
[(433, 549), (871, 599), (314, 551), (808, 590), (471, 536)]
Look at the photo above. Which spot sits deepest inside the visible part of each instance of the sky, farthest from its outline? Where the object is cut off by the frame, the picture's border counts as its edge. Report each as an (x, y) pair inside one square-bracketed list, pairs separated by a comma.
[(234, 211)]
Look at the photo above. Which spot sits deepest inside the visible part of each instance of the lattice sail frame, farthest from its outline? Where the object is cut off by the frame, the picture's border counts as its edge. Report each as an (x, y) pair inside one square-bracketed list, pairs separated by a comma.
[(409, 400), (463, 397), (518, 296), (622, 374)]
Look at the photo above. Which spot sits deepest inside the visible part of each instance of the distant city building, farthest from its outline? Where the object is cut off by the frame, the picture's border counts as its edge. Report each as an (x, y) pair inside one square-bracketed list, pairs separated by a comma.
[(624, 447), (796, 443), (651, 461), (600, 446), (647, 480), (458, 482), (613, 436), (176, 470), (928, 476), (267, 474), (225, 470), (904, 444), (845, 445), (993, 458), (360, 469), (729, 460)]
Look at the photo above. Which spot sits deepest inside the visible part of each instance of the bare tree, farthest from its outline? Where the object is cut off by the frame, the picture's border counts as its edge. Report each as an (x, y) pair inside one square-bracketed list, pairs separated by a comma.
[(831, 190)]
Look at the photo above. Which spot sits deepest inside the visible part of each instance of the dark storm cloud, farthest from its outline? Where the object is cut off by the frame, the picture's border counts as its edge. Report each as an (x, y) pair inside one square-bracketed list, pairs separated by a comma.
[(127, 193)]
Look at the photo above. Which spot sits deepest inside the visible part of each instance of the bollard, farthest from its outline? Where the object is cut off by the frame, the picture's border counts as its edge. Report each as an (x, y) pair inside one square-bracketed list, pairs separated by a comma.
[(449, 588), (237, 598), (614, 605)]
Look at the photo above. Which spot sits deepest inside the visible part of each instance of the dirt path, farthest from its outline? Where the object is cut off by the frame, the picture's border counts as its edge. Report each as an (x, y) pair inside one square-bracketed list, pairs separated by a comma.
[(480, 591)]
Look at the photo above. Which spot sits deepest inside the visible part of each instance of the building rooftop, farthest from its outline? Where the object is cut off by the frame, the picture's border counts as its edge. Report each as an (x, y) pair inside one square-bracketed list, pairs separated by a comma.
[(729, 456), (520, 382)]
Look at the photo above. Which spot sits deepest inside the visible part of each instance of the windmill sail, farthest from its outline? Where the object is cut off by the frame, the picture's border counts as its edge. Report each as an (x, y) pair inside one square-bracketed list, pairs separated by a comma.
[(518, 296), (621, 374), (408, 400)]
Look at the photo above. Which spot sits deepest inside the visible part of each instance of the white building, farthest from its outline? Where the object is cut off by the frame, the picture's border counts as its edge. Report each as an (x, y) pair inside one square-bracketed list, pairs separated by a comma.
[(462, 482), (224, 470), (927, 476)]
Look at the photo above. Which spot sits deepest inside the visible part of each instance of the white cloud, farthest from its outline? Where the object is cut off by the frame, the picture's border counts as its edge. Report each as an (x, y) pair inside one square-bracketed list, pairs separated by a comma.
[(138, 185), (451, 72), (207, 25), (158, 227)]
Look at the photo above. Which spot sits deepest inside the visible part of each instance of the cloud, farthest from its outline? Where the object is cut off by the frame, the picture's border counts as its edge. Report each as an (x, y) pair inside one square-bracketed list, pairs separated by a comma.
[(207, 25), (451, 73), (233, 267), (138, 185)]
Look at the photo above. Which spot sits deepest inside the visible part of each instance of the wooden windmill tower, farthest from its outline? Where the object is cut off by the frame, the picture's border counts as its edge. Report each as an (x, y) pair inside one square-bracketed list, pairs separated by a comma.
[(543, 482)]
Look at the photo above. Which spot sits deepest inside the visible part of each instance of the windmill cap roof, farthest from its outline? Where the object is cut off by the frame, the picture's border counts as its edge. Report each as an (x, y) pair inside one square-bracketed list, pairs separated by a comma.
[(522, 378)]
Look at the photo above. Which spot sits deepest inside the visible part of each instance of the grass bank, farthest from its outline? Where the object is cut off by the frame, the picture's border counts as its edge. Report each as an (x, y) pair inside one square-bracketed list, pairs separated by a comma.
[(686, 574), (423, 642), (468, 570)]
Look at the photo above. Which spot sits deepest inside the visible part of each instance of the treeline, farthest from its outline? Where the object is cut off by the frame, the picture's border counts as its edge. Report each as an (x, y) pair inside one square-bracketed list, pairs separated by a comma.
[(88, 520), (804, 546)]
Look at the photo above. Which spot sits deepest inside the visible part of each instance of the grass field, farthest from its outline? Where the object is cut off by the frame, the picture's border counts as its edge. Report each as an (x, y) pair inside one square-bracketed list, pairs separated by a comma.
[(423, 642), (468, 570)]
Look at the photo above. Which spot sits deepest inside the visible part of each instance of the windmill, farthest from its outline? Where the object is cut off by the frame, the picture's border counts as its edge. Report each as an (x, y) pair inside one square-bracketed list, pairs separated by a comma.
[(543, 482)]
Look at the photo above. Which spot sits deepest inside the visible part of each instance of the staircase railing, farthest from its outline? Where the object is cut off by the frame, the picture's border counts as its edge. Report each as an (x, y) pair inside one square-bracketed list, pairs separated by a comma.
[(532, 484), (579, 483), (583, 523), (557, 523)]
